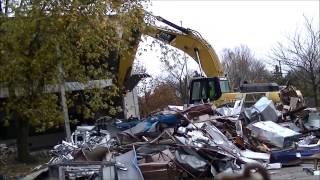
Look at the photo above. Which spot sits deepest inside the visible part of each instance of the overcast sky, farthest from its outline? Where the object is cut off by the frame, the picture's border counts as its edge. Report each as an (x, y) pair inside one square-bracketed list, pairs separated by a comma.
[(227, 24)]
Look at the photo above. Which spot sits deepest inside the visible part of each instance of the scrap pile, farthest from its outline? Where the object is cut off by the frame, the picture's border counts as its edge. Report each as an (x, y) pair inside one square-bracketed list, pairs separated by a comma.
[(197, 142), (5, 151)]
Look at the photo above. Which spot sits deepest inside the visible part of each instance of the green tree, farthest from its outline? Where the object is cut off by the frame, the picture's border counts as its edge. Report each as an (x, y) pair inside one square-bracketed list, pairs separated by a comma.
[(85, 38)]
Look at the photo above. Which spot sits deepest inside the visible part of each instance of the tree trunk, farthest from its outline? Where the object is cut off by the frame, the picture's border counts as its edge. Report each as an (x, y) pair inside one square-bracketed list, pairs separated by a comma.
[(22, 140), (6, 7), (314, 88), (0, 7), (315, 92)]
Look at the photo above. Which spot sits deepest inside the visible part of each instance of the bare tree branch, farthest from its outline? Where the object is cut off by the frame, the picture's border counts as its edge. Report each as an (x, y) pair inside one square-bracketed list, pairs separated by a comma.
[(241, 65), (301, 53)]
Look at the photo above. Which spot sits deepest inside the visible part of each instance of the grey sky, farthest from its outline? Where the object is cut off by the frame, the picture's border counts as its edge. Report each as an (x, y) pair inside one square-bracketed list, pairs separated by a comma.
[(226, 24)]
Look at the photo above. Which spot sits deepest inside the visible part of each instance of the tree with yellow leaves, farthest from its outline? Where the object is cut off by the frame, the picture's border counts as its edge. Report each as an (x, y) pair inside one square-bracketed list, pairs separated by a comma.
[(37, 38)]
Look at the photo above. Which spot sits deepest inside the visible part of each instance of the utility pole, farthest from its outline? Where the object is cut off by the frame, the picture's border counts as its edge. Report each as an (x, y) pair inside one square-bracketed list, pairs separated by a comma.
[(65, 108), (63, 98), (280, 70)]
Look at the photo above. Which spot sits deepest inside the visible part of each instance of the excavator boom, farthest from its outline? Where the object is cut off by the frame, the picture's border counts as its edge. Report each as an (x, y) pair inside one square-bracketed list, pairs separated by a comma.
[(194, 46), (184, 39)]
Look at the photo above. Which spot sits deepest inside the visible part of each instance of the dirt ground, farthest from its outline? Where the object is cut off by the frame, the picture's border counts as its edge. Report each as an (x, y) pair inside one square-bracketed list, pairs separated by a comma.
[(291, 173)]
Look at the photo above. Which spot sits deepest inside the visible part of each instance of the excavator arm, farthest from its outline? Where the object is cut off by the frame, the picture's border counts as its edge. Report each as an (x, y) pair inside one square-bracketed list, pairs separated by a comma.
[(184, 39), (195, 47)]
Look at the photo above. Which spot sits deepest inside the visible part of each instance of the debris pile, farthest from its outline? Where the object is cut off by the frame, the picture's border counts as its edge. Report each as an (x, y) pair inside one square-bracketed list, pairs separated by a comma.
[(197, 142), (5, 151)]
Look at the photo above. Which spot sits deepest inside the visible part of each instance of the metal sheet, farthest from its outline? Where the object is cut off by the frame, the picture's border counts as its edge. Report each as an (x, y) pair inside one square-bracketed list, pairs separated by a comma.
[(313, 122), (221, 141), (133, 172), (85, 128), (224, 111), (274, 133), (266, 108), (139, 128), (192, 161), (255, 155)]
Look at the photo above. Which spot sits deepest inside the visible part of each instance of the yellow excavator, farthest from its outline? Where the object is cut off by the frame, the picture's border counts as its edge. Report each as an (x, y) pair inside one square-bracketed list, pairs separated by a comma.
[(213, 84)]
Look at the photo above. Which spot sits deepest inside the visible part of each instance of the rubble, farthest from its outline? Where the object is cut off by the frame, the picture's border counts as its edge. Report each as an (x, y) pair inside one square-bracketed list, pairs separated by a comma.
[(5, 151), (195, 142)]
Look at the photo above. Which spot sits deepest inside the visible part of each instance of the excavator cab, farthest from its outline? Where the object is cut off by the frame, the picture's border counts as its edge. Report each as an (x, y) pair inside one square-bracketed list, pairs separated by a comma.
[(204, 90), (224, 85)]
